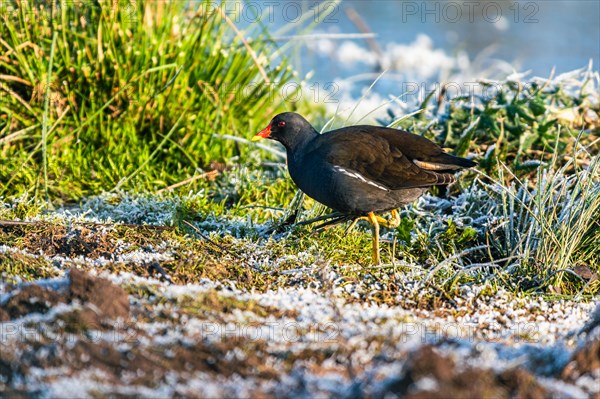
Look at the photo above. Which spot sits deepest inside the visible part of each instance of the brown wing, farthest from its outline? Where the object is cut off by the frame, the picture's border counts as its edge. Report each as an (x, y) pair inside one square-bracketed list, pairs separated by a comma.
[(391, 157)]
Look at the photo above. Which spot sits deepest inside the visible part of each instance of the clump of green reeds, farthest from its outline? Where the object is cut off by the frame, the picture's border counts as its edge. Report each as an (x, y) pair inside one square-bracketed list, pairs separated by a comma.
[(104, 95)]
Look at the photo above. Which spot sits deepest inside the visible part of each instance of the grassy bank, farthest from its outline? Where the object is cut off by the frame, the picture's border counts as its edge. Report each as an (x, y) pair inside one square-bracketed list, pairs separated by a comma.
[(98, 95), (126, 100), (143, 254)]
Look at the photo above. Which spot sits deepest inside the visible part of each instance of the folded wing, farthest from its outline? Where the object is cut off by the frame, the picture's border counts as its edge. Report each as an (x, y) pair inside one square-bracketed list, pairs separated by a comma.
[(390, 157)]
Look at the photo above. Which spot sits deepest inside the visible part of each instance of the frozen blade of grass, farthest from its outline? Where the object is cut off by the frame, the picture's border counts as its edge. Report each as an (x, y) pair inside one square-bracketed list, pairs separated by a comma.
[(364, 95), (332, 119), (397, 121), (268, 148), (45, 116), (496, 263), (451, 259)]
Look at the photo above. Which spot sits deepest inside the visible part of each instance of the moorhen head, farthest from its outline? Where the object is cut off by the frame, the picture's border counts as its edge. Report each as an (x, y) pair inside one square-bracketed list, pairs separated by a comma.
[(290, 129), (362, 170)]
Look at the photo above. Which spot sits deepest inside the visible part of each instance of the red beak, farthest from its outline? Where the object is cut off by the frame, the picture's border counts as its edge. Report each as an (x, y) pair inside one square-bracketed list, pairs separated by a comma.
[(263, 134)]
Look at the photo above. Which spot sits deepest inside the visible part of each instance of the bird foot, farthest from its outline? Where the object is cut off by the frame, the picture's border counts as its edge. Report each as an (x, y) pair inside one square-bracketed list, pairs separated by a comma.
[(390, 224), (375, 222)]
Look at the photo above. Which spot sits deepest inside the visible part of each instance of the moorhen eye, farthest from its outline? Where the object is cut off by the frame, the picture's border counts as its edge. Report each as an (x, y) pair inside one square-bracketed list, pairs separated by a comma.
[(281, 124)]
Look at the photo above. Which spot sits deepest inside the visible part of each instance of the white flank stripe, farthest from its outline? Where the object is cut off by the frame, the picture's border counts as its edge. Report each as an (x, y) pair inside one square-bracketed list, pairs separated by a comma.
[(360, 177)]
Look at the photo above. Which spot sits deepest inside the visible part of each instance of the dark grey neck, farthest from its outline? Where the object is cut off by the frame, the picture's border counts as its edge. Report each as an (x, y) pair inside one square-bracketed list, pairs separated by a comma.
[(297, 142)]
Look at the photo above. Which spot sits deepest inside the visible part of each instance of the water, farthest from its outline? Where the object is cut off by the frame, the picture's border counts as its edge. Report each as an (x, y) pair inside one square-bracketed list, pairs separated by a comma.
[(422, 42), (535, 35), (527, 35)]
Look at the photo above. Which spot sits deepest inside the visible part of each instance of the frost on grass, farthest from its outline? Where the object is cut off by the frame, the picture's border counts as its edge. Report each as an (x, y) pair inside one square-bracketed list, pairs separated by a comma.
[(258, 320), (131, 209), (213, 339), (473, 301)]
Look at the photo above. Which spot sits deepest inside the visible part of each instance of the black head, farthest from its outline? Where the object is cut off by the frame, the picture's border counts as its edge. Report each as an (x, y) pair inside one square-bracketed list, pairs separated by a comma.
[(289, 128)]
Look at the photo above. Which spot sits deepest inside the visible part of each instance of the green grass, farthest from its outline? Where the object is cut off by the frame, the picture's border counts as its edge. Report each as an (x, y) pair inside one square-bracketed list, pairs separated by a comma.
[(556, 226), (95, 98), (107, 107), (521, 124)]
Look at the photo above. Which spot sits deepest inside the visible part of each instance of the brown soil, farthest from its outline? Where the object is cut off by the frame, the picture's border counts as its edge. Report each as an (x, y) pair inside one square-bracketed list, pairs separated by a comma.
[(584, 361), (109, 299), (58, 240), (31, 299), (101, 299), (467, 383)]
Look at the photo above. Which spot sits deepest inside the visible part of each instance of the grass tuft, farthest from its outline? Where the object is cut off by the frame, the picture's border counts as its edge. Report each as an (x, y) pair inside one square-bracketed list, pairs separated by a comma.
[(97, 95)]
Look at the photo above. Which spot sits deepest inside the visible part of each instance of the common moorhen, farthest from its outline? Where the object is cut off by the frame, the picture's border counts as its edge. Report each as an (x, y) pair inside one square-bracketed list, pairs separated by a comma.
[(362, 170)]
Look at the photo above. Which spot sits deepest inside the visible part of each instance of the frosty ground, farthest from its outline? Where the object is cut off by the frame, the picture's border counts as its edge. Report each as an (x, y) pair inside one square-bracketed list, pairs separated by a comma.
[(87, 310), (116, 283)]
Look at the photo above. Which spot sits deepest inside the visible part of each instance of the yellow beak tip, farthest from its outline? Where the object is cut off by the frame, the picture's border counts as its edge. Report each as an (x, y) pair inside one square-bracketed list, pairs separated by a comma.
[(256, 138)]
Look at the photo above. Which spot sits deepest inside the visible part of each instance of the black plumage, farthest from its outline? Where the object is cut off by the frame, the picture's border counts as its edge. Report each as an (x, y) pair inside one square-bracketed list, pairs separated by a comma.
[(361, 170)]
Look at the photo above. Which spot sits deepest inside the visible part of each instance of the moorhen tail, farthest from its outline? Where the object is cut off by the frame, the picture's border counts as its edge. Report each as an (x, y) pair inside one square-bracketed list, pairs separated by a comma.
[(362, 170)]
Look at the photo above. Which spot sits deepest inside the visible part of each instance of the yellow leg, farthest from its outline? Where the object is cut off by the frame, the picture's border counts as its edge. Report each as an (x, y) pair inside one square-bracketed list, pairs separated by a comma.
[(375, 222), (375, 225), (349, 229), (393, 222), (380, 220)]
